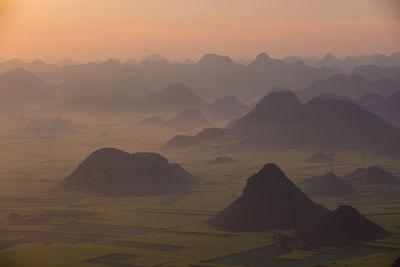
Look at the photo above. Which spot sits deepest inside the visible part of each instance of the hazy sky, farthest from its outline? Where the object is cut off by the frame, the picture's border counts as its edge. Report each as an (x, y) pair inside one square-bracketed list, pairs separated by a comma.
[(99, 29)]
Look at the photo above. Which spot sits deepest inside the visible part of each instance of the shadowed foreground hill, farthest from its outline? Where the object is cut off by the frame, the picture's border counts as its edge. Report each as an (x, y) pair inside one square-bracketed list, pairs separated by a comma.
[(269, 201), (343, 226), (113, 172)]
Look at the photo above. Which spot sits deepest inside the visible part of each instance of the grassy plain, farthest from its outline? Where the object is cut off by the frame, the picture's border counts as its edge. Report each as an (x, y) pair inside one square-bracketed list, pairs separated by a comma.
[(57, 228)]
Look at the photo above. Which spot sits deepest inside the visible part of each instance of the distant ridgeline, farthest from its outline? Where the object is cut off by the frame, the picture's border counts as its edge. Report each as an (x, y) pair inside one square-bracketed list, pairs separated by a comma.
[(281, 121), (271, 201), (113, 172)]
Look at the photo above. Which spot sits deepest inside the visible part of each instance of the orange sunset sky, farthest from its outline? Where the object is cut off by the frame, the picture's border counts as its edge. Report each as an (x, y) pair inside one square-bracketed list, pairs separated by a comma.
[(99, 29)]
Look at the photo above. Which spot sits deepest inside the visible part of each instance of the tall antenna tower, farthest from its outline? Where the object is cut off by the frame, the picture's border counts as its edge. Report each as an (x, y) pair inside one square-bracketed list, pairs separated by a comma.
[(331, 156)]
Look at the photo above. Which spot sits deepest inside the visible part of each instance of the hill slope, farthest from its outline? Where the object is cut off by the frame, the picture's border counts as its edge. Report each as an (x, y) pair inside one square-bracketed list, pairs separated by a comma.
[(173, 98), (113, 172), (344, 226), (269, 201), (22, 89), (281, 119)]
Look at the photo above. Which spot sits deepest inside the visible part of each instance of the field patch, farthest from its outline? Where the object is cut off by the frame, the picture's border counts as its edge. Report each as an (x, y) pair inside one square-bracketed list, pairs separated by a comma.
[(298, 254), (173, 239)]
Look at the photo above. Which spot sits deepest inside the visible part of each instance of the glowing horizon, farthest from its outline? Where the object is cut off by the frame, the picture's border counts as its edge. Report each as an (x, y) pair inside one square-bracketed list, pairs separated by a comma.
[(179, 29)]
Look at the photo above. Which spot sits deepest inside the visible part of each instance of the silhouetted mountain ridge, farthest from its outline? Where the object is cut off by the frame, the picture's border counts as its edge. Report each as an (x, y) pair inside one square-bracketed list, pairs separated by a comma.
[(113, 172), (344, 226), (281, 121), (269, 201), (21, 89)]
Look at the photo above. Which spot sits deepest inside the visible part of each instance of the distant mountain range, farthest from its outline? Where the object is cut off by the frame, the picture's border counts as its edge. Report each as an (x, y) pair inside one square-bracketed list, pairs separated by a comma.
[(349, 63), (351, 86), (21, 89), (35, 66), (374, 73), (280, 120), (172, 99), (387, 108), (212, 76)]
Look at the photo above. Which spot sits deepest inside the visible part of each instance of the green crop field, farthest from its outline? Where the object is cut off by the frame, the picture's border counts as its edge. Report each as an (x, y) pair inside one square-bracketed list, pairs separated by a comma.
[(51, 227)]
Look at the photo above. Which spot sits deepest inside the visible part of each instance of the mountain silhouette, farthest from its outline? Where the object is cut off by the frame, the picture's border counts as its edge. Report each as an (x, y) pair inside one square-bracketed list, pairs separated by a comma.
[(85, 85), (350, 63), (354, 87), (328, 185), (34, 66), (388, 109), (206, 135), (80, 85), (213, 76), (319, 157), (373, 175), (373, 72), (23, 89), (344, 226), (113, 172), (188, 118), (269, 201), (215, 61), (226, 108), (281, 121), (155, 58), (174, 97), (129, 85), (266, 72), (121, 103)]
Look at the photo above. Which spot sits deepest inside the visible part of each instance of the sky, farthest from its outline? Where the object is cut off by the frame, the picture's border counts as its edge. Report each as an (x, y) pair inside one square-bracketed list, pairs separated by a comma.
[(87, 30)]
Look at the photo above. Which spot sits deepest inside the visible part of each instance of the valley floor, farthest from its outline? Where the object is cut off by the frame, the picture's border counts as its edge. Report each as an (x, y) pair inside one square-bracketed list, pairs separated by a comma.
[(42, 226)]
